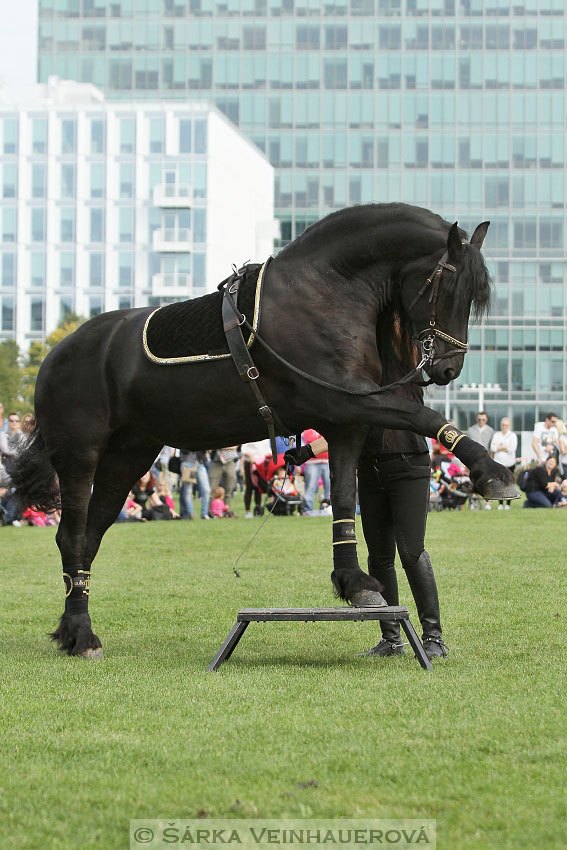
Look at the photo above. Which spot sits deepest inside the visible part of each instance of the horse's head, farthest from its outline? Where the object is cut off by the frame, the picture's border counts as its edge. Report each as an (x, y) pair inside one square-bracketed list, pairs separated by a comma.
[(439, 305)]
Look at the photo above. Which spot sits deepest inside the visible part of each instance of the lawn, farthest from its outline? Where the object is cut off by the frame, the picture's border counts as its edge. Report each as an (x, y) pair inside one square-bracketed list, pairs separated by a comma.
[(295, 724)]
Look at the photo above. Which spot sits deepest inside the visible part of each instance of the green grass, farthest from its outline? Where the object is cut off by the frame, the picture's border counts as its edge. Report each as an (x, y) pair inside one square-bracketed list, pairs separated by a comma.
[(479, 744)]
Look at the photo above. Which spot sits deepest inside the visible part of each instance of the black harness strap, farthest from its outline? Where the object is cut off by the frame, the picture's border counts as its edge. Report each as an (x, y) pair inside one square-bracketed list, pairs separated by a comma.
[(233, 320)]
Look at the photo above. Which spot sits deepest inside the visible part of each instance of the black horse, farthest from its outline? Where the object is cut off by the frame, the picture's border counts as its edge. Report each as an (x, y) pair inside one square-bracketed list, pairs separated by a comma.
[(343, 304)]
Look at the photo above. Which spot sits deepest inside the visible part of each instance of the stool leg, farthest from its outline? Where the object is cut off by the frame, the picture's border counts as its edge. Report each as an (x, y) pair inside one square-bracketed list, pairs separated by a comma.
[(228, 646), (416, 645)]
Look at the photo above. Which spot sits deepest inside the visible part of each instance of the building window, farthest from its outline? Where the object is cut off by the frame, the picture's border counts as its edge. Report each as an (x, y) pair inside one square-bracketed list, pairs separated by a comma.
[(125, 269), (7, 313), (184, 136), (38, 225), (125, 302), (67, 181), (10, 181), (95, 306), (39, 135), (127, 179), (127, 135), (200, 136), (37, 310), (66, 269), (39, 181), (97, 225), (67, 136), (9, 224), (8, 269), (156, 135), (10, 135), (199, 280), (67, 224), (66, 306), (37, 269), (126, 224), (97, 180), (96, 270), (97, 136)]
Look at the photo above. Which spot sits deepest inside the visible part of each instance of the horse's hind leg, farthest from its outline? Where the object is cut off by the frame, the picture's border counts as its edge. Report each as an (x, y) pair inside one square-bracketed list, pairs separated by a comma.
[(74, 634), (350, 582), (118, 469)]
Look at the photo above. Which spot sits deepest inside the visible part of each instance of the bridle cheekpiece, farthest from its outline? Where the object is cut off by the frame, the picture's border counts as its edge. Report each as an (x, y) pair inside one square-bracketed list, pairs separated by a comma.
[(427, 336)]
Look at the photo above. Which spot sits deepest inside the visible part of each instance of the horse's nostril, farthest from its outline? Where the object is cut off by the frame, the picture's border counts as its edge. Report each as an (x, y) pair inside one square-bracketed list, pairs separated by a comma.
[(449, 374)]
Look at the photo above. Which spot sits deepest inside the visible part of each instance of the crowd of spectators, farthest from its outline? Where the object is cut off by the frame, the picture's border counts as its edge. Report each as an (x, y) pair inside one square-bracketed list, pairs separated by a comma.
[(214, 476)]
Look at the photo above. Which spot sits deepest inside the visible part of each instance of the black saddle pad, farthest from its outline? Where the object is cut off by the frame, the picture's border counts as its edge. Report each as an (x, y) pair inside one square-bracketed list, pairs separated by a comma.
[(192, 331)]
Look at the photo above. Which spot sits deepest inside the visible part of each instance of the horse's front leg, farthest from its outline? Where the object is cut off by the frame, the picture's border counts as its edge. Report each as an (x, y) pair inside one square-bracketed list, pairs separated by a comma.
[(350, 582)]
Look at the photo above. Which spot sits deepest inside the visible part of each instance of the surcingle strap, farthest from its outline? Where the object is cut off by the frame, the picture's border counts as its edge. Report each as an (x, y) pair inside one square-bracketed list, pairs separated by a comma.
[(232, 322)]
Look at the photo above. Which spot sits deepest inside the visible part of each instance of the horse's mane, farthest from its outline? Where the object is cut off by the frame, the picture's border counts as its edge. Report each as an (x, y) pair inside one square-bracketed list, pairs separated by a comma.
[(471, 284)]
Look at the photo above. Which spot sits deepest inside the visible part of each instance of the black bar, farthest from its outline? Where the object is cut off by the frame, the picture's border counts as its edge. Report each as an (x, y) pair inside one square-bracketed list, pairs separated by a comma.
[(416, 645), (228, 646)]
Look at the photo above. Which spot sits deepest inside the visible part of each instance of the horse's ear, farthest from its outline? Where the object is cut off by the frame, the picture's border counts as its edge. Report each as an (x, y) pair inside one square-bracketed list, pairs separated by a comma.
[(454, 245), (478, 236)]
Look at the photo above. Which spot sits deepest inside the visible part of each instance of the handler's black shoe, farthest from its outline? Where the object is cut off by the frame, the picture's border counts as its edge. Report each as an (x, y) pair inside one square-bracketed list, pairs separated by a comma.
[(434, 647), (386, 647)]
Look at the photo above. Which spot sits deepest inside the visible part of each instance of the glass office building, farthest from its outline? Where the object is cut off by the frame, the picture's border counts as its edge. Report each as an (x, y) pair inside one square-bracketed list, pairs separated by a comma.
[(455, 105)]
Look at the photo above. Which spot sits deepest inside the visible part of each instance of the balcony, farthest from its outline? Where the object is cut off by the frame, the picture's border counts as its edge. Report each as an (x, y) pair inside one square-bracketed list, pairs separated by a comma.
[(173, 196), (170, 284), (172, 239)]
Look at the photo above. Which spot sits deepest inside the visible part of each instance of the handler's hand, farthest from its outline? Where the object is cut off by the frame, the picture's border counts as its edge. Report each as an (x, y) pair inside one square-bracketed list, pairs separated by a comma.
[(298, 455)]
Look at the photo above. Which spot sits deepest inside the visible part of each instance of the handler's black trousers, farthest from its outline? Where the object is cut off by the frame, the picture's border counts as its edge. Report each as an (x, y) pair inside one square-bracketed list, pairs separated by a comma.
[(393, 491)]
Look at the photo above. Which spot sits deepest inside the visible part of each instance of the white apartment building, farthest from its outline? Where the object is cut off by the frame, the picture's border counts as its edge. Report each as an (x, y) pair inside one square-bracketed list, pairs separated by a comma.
[(107, 206)]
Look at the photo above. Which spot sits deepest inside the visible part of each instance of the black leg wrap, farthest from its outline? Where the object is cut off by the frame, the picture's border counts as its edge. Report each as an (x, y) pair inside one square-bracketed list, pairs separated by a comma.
[(74, 634), (462, 446), (77, 587)]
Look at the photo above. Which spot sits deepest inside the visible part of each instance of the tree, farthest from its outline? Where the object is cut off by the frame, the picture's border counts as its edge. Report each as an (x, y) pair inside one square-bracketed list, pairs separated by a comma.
[(10, 376)]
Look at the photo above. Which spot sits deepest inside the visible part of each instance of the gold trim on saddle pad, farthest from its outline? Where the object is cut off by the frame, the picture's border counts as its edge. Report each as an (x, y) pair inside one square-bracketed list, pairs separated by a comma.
[(200, 358)]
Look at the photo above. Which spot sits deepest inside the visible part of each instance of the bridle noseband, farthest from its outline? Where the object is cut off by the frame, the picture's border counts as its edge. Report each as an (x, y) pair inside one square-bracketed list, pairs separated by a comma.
[(427, 336)]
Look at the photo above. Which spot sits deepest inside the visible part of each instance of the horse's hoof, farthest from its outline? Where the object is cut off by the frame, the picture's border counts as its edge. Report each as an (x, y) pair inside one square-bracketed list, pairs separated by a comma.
[(93, 654), (498, 490), (367, 599)]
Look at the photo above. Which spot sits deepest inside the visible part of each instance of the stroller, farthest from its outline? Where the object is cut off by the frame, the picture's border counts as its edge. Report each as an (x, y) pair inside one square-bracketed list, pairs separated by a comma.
[(454, 486), (281, 497)]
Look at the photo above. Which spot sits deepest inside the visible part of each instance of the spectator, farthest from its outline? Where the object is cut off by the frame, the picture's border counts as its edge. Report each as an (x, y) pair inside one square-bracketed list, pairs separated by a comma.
[(562, 498), (8, 505), (193, 472), (222, 471), (542, 489), (314, 469), (11, 440), (144, 492), (28, 423), (284, 496), (219, 508), (545, 440), (503, 449), (3, 420), (164, 495), (252, 453), (481, 432), (562, 447), (131, 512)]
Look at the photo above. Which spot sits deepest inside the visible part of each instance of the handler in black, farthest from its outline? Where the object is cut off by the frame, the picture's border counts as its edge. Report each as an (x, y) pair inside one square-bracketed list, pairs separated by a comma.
[(393, 490)]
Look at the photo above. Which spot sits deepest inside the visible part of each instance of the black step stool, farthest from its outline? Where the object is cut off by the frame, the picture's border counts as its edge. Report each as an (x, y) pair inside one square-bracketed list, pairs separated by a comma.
[(310, 615)]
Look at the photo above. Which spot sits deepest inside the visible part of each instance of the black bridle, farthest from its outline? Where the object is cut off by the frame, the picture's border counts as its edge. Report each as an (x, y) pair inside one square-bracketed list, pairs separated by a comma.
[(427, 336)]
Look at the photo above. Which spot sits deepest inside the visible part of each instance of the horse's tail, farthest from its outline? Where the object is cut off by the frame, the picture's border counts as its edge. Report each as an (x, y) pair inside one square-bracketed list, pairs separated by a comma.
[(33, 476)]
